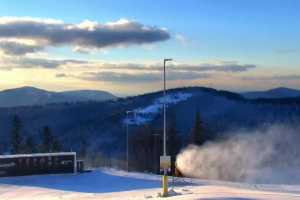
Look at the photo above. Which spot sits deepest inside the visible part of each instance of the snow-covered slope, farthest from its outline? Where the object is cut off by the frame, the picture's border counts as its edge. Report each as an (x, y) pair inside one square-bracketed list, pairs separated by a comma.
[(113, 184), (146, 114)]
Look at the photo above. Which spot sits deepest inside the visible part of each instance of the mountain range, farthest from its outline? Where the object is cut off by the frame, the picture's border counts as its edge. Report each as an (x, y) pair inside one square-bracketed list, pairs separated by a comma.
[(28, 96), (280, 92), (101, 125)]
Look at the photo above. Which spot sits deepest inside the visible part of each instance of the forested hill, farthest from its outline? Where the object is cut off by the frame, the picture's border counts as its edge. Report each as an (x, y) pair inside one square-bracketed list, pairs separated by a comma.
[(28, 96), (101, 126)]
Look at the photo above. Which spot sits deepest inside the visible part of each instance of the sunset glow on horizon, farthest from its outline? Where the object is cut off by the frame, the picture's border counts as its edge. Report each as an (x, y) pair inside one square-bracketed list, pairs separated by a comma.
[(238, 46)]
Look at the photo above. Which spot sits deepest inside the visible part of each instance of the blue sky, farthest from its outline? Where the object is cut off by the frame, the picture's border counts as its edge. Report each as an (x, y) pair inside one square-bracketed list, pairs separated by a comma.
[(261, 33)]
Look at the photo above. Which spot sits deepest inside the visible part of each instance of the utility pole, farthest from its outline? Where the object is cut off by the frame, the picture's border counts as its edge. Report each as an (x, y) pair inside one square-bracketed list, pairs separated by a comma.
[(165, 126), (165, 177)]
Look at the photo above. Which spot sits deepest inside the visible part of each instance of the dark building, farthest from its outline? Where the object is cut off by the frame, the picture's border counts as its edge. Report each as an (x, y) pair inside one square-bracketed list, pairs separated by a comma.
[(40, 163)]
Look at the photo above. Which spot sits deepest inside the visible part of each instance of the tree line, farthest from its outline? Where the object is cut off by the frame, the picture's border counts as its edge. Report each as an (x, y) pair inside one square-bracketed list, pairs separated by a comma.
[(145, 144), (20, 143)]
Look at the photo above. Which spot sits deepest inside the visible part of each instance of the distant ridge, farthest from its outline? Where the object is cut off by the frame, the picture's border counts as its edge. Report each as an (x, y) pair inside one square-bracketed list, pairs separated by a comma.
[(27, 96), (280, 92), (101, 124)]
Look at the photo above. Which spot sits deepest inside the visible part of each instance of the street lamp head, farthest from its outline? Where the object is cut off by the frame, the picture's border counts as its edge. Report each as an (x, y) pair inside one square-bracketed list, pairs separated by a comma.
[(168, 59)]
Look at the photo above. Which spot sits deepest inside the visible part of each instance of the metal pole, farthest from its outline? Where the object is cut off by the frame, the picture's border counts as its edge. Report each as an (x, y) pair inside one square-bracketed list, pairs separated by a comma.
[(127, 146), (164, 140), (165, 177), (165, 153), (164, 107)]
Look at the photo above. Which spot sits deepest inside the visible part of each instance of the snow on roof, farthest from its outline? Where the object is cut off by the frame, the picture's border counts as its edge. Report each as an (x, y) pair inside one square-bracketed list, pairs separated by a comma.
[(38, 154)]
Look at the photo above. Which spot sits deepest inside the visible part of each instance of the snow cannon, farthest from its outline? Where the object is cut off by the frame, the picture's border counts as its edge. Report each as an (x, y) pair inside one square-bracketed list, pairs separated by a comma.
[(178, 173)]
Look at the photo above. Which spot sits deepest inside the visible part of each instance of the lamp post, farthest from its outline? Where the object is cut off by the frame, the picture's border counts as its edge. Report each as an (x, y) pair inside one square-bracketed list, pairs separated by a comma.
[(164, 143), (165, 177), (127, 138)]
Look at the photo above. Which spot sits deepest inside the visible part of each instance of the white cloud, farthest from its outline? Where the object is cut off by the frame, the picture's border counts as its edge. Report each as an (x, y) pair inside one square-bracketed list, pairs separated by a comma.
[(18, 48), (87, 34)]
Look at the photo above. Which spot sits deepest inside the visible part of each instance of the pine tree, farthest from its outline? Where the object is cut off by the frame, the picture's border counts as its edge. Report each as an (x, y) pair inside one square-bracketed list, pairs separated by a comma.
[(141, 149), (173, 139), (16, 137), (82, 146), (56, 146), (197, 133), (47, 140), (29, 146), (173, 142)]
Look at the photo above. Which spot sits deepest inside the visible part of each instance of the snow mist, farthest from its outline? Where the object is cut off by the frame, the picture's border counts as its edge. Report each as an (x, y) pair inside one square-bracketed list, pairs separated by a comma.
[(271, 155)]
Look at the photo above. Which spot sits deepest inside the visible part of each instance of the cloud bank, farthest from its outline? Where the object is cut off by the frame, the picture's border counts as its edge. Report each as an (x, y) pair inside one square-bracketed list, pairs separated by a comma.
[(10, 63), (138, 73), (22, 37), (18, 48), (87, 34), (286, 77), (217, 67), (138, 78)]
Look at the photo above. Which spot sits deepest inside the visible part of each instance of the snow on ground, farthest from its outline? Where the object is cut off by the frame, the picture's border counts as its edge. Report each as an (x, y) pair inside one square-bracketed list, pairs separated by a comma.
[(146, 114), (114, 184)]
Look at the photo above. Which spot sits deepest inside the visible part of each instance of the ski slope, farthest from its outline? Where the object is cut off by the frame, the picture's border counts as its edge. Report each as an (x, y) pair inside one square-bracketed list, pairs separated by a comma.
[(145, 114), (114, 184)]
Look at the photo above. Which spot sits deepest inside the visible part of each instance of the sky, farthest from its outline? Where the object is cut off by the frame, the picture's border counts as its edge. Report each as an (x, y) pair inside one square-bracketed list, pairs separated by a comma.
[(119, 46)]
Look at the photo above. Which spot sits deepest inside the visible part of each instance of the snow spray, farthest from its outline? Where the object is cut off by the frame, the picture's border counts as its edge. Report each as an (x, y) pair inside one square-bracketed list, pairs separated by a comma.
[(271, 155)]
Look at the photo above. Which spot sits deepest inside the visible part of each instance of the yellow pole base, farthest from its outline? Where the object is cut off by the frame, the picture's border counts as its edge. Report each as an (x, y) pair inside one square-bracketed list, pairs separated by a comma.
[(165, 185)]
